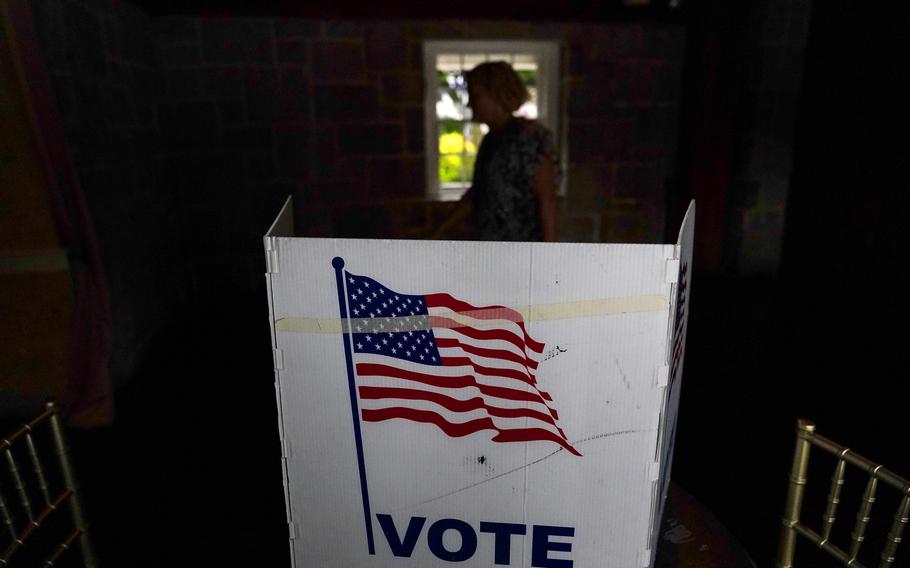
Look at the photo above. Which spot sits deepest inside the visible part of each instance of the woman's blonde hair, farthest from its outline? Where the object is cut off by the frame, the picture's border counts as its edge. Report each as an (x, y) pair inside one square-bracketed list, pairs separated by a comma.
[(501, 82)]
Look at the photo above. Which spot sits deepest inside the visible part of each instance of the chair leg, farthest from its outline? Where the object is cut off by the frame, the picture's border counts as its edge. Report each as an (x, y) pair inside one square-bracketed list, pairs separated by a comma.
[(70, 479), (787, 546)]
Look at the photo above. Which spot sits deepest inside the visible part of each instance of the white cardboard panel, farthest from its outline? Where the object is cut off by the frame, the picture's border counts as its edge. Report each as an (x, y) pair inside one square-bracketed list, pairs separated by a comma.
[(283, 225), (599, 365)]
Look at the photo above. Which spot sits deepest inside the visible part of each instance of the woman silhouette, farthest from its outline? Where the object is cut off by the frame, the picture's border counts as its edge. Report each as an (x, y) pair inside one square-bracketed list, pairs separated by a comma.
[(513, 192)]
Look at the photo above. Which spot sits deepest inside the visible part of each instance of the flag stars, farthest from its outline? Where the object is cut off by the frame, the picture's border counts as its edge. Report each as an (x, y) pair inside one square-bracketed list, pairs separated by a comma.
[(398, 325)]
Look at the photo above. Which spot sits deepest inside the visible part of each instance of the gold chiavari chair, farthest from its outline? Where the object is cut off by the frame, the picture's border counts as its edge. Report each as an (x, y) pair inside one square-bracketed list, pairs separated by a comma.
[(806, 437), (42, 516)]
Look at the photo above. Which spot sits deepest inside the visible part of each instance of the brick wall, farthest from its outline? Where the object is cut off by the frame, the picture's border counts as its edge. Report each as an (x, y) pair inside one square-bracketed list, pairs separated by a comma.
[(189, 133), (621, 98), (332, 112), (102, 58)]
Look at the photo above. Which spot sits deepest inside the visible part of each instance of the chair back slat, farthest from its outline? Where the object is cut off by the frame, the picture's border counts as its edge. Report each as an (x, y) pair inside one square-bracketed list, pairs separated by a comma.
[(69, 478), (7, 517), (826, 545), (19, 485), (862, 517), (806, 437), (36, 467), (837, 484), (795, 494), (896, 532), (23, 537), (64, 546), (61, 510)]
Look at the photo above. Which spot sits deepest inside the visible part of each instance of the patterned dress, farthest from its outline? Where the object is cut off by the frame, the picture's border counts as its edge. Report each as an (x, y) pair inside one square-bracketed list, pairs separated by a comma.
[(505, 205)]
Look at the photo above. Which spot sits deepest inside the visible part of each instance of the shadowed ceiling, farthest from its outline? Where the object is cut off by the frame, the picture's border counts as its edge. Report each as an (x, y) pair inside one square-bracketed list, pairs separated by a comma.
[(534, 10)]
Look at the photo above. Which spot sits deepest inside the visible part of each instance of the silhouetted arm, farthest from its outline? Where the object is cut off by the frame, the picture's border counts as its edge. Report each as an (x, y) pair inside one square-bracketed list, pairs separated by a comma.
[(461, 212), (545, 189)]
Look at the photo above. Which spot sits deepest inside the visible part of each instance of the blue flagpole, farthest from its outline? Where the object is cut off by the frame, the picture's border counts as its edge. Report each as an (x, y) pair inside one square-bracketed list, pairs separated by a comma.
[(338, 264)]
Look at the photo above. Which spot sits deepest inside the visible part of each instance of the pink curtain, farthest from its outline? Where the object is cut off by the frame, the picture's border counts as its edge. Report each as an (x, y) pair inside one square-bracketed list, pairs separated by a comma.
[(88, 395)]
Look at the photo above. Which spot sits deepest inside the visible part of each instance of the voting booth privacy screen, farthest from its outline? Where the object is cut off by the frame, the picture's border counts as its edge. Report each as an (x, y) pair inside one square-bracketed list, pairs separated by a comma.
[(476, 403)]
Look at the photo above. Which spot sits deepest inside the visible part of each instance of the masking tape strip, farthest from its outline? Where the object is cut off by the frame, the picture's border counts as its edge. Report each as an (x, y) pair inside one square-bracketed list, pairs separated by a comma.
[(540, 312)]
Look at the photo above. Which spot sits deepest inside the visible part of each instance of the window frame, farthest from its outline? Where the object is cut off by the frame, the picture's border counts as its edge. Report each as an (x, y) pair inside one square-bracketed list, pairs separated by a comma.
[(548, 93)]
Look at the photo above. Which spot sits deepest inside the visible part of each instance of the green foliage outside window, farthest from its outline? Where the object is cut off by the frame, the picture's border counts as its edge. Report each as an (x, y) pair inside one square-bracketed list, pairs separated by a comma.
[(528, 77), (456, 159)]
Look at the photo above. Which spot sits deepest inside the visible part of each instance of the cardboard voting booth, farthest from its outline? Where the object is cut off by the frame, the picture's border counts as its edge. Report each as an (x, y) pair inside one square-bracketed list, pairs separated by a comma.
[(476, 403)]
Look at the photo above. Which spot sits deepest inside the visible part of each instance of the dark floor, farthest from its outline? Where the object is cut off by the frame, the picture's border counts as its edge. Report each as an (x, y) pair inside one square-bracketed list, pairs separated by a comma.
[(190, 473), (762, 353)]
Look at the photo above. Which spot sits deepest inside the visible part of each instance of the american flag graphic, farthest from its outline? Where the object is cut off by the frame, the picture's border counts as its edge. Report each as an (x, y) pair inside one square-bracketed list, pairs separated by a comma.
[(438, 360)]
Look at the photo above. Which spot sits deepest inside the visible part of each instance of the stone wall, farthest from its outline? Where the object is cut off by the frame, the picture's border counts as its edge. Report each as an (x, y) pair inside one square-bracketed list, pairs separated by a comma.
[(189, 133), (332, 112)]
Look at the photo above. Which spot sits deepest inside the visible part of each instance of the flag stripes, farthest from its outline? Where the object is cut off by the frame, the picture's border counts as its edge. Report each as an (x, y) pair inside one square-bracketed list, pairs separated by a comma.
[(485, 352), (452, 381), (442, 322), (485, 313), (458, 430), (463, 368), (454, 404)]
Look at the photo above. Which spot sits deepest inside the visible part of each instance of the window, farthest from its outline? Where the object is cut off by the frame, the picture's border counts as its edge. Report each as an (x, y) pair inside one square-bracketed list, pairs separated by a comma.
[(452, 139)]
